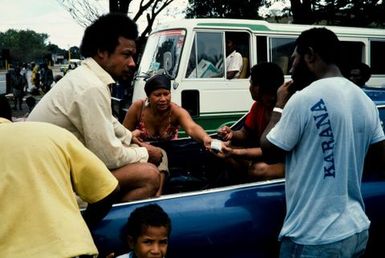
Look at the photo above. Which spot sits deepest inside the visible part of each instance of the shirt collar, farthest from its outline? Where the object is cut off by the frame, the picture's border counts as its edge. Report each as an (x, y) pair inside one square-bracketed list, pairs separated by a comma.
[(233, 53), (102, 74)]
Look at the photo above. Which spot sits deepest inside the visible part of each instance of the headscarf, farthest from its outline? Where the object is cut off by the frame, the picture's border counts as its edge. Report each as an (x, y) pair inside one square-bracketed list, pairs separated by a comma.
[(158, 81)]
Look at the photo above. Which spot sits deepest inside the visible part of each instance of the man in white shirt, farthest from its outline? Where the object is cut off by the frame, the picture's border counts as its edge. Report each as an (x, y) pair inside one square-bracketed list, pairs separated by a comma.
[(234, 61), (325, 143), (81, 103)]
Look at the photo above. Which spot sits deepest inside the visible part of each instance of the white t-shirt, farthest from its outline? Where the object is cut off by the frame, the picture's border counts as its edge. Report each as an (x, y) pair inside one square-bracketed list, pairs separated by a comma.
[(234, 63), (126, 255), (327, 129)]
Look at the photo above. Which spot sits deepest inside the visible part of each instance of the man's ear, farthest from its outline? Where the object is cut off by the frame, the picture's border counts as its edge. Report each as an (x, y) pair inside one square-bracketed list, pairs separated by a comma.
[(131, 242), (102, 54), (310, 56)]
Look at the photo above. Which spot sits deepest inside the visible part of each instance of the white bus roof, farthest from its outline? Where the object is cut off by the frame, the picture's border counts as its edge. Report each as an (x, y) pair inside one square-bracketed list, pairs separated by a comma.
[(264, 26)]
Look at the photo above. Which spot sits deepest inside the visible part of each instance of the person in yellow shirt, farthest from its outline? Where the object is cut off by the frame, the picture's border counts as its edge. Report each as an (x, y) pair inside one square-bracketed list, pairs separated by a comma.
[(42, 167)]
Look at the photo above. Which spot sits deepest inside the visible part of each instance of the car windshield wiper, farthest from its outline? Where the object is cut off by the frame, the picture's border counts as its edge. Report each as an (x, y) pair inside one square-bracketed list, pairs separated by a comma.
[(144, 75)]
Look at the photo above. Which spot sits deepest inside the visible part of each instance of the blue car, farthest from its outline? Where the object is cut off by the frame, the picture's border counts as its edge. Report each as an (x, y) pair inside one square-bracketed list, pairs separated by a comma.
[(210, 219)]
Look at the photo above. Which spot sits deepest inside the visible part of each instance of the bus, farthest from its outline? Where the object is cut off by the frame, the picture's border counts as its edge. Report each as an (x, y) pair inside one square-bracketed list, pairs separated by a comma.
[(193, 53)]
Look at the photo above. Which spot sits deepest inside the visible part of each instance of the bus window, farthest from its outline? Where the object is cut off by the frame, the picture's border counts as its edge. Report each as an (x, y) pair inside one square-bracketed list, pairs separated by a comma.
[(261, 49), (377, 54), (237, 54), (206, 57), (351, 52), (281, 51), (192, 63), (162, 53)]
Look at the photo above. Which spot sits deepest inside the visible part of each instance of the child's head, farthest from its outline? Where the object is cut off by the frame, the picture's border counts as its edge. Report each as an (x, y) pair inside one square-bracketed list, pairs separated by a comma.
[(148, 229)]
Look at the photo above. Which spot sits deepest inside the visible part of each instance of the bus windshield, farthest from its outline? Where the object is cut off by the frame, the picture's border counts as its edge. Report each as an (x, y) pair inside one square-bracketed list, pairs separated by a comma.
[(162, 53)]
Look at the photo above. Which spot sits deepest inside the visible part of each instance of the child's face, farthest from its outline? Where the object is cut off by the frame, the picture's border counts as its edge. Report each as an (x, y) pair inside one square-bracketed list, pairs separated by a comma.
[(152, 243)]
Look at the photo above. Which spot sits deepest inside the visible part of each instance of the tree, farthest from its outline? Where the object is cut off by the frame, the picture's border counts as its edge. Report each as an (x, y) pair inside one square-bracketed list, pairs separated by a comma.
[(119, 6), (366, 13), (24, 45), (86, 11), (245, 9), (74, 52), (302, 11)]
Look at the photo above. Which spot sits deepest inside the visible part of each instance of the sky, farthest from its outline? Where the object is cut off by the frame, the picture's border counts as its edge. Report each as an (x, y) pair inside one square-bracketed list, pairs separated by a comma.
[(41, 16), (48, 16)]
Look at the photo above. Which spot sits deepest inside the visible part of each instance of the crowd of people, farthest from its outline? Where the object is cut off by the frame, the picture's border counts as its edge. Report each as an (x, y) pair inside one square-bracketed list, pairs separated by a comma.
[(72, 143), (28, 81)]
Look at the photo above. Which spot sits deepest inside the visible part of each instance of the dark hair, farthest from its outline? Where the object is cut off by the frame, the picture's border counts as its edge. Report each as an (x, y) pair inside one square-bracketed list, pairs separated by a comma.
[(158, 81), (323, 41), (31, 102), (143, 217), (365, 70), (232, 36), (268, 76), (5, 108), (103, 33)]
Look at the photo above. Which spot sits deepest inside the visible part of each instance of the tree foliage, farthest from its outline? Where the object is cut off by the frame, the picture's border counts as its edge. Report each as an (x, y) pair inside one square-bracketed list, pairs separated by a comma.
[(351, 13), (25, 45), (244, 9), (364, 13)]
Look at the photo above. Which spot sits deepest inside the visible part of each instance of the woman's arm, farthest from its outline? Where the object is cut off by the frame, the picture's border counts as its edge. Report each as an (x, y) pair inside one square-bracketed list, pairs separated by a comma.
[(192, 129), (131, 119), (248, 153)]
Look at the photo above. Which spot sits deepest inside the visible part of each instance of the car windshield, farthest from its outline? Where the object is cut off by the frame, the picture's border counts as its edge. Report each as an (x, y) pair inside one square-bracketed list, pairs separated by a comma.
[(162, 53)]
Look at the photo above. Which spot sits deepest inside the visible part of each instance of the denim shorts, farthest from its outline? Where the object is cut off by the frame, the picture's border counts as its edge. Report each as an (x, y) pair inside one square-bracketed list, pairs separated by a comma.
[(353, 246)]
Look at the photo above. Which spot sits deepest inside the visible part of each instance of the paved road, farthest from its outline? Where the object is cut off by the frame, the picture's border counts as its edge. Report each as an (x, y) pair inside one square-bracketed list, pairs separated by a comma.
[(2, 83)]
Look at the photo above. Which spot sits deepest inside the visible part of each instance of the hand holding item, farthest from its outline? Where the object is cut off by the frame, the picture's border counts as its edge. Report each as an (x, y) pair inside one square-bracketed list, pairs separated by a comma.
[(216, 146), (136, 136), (225, 133), (284, 93), (207, 141), (221, 149), (154, 153)]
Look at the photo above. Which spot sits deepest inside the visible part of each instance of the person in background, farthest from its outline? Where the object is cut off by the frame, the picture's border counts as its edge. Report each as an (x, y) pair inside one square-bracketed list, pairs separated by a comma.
[(31, 103), (71, 66), (157, 118), (23, 72), (360, 74), (18, 84), (242, 151), (35, 78), (56, 78), (81, 103), (46, 76), (234, 61), (39, 213), (147, 233), (28, 77), (324, 142)]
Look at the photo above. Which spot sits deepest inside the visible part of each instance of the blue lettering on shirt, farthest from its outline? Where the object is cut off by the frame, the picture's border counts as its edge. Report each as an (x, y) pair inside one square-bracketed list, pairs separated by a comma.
[(322, 121)]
